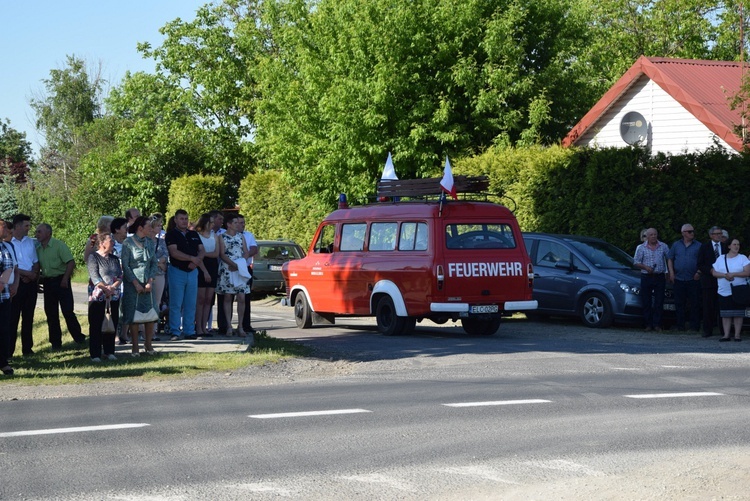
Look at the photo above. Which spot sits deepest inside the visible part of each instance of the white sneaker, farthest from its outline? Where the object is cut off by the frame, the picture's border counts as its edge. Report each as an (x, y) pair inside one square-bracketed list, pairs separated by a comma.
[(96, 359), (135, 355), (111, 357)]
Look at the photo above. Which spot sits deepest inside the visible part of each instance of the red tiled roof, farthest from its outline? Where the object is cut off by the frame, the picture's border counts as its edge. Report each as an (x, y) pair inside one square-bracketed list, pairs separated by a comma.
[(702, 87)]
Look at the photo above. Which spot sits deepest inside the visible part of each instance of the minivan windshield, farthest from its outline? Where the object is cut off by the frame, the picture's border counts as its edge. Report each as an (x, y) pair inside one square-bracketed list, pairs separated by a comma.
[(604, 255)]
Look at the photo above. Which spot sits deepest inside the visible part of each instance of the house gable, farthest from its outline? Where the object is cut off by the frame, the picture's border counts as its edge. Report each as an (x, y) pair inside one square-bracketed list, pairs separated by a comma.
[(700, 88), (671, 128)]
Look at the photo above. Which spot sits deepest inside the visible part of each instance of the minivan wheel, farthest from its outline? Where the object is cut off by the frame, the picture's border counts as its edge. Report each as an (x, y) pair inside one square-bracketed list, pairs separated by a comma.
[(480, 326), (596, 311), (389, 324), (302, 313)]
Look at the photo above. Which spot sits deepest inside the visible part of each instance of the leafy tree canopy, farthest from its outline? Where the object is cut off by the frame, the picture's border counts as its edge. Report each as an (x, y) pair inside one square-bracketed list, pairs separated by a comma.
[(15, 153)]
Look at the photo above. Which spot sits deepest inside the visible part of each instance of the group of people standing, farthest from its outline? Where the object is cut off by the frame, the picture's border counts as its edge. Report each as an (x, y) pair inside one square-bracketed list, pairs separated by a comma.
[(138, 273), (27, 264), (702, 275)]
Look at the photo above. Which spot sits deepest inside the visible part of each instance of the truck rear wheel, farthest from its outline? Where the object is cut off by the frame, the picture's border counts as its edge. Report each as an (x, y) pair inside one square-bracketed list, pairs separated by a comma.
[(389, 323), (302, 313), (480, 326)]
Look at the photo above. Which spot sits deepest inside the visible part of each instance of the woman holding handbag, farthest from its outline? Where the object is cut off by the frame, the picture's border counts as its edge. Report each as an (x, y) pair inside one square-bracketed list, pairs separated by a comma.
[(139, 264), (105, 273), (731, 270)]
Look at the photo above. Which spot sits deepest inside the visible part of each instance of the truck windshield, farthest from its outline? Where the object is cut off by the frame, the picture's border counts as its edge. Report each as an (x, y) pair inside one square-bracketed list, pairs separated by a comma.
[(479, 236)]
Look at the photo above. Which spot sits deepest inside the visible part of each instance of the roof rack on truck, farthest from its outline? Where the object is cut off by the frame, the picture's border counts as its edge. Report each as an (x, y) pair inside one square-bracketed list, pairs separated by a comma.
[(430, 186)]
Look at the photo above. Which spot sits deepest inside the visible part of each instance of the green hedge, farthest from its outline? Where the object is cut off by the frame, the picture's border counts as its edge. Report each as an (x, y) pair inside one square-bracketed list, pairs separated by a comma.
[(613, 193), (274, 209), (197, 194)]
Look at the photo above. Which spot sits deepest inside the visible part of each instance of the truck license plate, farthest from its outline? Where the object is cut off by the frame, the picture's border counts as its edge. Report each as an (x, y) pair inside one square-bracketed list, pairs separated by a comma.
[(490, 308), (274, 267)]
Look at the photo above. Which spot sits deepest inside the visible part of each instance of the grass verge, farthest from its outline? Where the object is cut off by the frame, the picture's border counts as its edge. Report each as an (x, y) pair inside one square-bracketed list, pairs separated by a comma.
[(71, 364)]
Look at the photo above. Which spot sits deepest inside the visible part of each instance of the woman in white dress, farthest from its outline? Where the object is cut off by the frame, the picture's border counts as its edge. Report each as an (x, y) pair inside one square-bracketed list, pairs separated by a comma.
[(233, 281)]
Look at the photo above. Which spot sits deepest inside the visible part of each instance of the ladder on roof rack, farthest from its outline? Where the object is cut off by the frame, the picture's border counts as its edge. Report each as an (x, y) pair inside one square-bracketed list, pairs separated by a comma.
[(430, 186)]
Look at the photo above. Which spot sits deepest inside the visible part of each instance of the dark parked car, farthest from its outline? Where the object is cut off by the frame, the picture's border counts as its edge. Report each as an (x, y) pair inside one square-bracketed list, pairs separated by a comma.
[(586, 277), (267, 263)]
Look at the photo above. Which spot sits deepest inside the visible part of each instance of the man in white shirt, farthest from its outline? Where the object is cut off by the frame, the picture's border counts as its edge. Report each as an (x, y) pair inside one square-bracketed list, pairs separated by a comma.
[(252, 247), (23, 302)]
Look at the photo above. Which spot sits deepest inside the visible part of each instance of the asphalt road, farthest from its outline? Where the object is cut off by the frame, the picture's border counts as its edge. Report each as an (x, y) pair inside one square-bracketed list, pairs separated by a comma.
[(436, 424), (538, 411)]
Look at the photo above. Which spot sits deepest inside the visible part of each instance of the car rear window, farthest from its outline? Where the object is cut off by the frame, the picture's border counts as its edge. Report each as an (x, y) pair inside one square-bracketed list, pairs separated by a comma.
[(279, 252), (479, 236)]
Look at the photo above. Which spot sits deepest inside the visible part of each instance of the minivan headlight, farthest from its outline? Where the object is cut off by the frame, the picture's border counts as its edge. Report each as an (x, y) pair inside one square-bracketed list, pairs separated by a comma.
[(628, 288)]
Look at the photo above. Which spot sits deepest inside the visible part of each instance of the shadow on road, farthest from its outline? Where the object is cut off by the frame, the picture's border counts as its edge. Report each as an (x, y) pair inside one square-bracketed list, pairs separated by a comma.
[(352, 341)]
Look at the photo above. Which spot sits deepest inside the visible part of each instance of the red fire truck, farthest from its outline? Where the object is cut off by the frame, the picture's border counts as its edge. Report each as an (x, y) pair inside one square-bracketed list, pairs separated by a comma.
[(405, 261)]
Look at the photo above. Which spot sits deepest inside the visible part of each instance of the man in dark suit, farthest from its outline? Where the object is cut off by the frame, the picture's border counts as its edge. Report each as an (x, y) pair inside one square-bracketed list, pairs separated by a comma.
[(707, 256)]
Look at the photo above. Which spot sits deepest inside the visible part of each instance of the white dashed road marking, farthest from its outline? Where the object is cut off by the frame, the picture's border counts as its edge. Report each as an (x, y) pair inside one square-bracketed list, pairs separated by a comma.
[(498, 402), (53, 431), (677, 395), (308, 413)]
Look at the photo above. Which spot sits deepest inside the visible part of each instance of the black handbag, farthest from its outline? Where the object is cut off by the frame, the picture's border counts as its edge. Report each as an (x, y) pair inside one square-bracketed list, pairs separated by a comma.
[(740, 293)]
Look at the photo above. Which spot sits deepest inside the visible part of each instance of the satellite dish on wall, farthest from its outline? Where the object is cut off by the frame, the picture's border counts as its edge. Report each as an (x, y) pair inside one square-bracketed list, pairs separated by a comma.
[(633, 128)]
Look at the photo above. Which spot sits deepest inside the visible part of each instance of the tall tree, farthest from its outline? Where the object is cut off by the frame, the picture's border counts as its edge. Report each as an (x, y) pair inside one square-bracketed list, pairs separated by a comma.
[(213, 59), (15, 160), (623, 30), (351, 80), (15, 152), (146, 138), (72, 99)]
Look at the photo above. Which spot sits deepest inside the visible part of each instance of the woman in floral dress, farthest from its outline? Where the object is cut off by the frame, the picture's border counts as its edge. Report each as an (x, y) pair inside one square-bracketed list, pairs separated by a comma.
[(233, 252)]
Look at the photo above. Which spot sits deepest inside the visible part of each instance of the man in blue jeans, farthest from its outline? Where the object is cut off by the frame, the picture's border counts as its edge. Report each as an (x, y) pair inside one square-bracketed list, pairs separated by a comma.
[(683, 273), (185, 258)]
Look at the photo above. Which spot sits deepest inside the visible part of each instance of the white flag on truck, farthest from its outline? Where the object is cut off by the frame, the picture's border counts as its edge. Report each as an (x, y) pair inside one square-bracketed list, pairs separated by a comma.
[(389, 171)]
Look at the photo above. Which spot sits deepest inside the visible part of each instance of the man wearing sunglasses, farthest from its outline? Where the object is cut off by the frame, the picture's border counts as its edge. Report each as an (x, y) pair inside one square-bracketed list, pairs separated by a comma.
[(683, 273)]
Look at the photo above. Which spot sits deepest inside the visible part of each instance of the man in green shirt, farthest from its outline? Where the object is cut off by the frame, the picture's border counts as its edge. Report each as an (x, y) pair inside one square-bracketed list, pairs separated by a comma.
[(57, 265)]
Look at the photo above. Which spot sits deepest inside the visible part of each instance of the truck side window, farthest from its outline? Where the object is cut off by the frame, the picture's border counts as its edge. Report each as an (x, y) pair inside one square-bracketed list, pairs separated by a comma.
[(324, 244), (413, 237), (353, 237), (383, 236)]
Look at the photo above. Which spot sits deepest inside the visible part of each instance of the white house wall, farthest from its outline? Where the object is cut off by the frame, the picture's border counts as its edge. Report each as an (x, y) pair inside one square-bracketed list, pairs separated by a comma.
[(673, 129)]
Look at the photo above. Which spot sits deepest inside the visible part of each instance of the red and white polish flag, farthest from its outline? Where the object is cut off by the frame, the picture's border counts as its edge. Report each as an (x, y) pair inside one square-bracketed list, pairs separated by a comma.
[(447, 182)]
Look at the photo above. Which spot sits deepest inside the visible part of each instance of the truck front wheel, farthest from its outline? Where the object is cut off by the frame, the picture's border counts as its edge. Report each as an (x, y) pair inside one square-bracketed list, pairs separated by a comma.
[(302, 313)]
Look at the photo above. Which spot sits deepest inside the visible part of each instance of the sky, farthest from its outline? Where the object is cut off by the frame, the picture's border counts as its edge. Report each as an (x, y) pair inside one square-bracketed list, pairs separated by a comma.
[(37, 35)]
